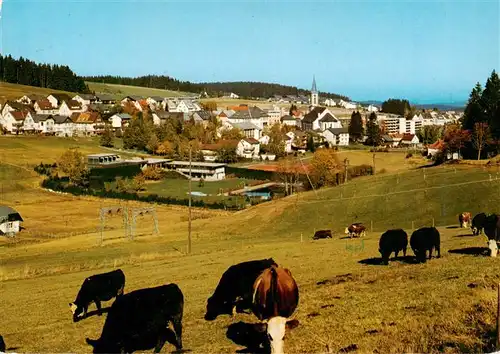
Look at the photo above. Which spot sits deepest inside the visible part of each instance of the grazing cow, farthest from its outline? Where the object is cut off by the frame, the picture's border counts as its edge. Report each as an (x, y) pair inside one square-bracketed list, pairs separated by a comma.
[(97, 288), (2, 345), (235, 288), (356, 230), (491, 227), (275, 298), (392, 241), (478, 223), (464, 219), (322, 234), (140, 320), (423, 240)]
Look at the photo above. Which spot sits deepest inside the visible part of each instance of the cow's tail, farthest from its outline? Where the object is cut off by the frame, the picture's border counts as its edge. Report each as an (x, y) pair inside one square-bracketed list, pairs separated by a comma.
[(274, 290)]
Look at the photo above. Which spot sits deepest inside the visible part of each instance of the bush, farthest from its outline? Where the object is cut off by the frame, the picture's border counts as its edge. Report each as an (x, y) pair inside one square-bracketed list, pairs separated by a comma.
[(409, 155), (153, 173)]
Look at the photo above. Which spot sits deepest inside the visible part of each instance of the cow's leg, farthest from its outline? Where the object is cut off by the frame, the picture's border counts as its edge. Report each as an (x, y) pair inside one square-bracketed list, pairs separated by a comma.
[(430, 253), (438, 251), (98, 305), (85, 309), (120, 291), (177, 322), (404, 252), (396, 253)]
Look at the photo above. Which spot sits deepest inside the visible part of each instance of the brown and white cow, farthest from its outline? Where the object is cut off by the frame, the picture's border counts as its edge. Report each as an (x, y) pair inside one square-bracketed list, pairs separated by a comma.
[(275, 298), (356, 230), (464, 219)]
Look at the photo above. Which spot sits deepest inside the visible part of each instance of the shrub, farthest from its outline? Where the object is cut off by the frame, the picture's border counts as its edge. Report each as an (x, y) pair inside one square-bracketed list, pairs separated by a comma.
[(409, 155), (153, 173)]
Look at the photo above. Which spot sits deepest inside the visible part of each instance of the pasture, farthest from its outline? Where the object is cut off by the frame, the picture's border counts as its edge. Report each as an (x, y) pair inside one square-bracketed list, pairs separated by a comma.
[(10, 91), (347, 300), (120, 91)]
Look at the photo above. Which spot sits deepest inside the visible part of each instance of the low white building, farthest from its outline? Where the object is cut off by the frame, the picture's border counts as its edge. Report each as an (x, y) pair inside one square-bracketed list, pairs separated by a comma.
[(70, 107), (13, 121), (250, 130), (337, 136), (120, 120), (10, 221), (372, 108), (248, 148), (209, 171)]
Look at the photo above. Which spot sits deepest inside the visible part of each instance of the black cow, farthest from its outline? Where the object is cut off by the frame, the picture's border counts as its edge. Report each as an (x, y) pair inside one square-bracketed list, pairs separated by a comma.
[(140, 320), (478, 223), (235, 288), (2, 345), (322, 234), (423, 240), (491, 227), (97, 288), (392, 241)]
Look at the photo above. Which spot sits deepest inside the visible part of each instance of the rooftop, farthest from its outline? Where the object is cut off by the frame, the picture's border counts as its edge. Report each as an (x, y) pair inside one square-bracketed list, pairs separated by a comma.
[(195, 163)]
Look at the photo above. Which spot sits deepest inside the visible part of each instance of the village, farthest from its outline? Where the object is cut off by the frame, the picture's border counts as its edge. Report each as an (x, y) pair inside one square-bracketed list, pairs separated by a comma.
[(326, 120)]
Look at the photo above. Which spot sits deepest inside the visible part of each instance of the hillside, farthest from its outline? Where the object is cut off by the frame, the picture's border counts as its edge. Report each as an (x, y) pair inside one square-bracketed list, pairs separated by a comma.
[(14, 91), (346, 298), (119, 91)]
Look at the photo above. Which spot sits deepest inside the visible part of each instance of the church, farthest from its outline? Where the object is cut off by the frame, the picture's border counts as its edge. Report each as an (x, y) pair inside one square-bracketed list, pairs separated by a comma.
[(322, 121)]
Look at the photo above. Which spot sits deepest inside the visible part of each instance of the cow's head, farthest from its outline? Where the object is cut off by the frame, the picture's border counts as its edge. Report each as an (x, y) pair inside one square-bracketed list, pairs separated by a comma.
[(492, 245), (77, 311), (215, 307), (101, 346), (474, 230), (385, 256), (275, 329), (346, 231)]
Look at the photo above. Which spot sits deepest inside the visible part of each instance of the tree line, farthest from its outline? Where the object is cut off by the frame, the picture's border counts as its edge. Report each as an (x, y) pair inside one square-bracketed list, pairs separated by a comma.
[(244, 89), (26, 72)]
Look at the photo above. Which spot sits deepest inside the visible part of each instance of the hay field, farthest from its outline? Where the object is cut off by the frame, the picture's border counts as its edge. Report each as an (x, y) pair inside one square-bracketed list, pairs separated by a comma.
[(120, 91), (347, 299), (14, 91)]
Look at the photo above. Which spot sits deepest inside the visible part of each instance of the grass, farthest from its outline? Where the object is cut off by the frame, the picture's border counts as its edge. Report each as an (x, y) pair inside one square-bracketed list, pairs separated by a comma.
[(445, 305), (14, 91), (120, 91)]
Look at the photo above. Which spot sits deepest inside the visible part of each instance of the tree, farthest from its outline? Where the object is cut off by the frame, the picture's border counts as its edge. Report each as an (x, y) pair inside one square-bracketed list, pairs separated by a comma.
[(107, 137), (310, 144), (429, 134), (480, 137), (455, 138), (209, 106), (72, 163), (473, 112), (293, 109), (139, 182), (373, 134), (227, 153), (289, 173), (232, 134), (396, 106), (356, 130), (324, 166), (490, 102)]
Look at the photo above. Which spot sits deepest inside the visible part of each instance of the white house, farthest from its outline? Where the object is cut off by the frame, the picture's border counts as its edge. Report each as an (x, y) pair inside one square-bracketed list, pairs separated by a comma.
[(15, 106), (249, 130), (13, 121), (274, 114), (337, 136), (84, 99), (154, 102), (320, 118), (289, 120), (248, 148), (120, 120), (231, 95), (87, 123), (63, 126), (70, 107), (409, 140), (29, 99), (56, 99), (372, 108), (209, 171), (264, 139), (10, 221), (184, 106), (253, 115), (45, 107), (42, 123)]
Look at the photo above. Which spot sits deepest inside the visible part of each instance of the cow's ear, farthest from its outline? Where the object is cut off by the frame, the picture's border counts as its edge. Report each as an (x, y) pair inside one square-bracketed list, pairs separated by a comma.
[(260, 327), (70, 304), (292, 324)]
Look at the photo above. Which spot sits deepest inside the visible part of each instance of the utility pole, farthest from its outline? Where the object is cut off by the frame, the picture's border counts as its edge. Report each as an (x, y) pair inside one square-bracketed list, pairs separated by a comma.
[(189, 207), (346, 161)]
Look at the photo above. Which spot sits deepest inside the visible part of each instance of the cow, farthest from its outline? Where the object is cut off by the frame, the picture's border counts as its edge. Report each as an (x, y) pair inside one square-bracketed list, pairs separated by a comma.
[(392, 241), (464, 219), (322, 234), (275, 298), (356, 230), (423, 240), (97, 288), (2, 345), (235, 288), (477, 224), (491, 226), (140, 320)]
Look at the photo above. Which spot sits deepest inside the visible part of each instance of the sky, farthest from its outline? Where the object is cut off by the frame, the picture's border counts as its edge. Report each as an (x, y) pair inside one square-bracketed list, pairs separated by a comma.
[(425, 51)]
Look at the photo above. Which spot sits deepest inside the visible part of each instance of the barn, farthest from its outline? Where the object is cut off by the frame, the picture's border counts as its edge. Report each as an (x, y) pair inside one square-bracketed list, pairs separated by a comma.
[(9, 221)]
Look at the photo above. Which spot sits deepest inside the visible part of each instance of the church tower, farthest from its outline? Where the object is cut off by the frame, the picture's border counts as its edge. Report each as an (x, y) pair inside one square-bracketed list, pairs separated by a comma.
[(314, 94)]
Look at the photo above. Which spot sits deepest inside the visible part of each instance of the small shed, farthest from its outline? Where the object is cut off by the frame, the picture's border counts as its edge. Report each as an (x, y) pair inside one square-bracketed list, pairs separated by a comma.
[(9, 221)]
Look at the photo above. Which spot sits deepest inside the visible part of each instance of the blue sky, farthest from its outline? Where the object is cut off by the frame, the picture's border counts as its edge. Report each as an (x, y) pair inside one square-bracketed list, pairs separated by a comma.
[(426, 51)]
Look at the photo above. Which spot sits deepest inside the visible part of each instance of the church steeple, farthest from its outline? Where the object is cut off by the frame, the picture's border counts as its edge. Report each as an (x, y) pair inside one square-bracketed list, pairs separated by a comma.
[(314, 93)]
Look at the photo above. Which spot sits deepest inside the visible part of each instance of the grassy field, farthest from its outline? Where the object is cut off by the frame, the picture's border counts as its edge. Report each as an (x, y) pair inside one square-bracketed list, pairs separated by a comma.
[(119, 91), (13, 91), (445, 305)]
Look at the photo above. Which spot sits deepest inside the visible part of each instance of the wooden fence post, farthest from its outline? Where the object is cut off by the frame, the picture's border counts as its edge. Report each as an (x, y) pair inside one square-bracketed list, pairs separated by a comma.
[(371, 225)]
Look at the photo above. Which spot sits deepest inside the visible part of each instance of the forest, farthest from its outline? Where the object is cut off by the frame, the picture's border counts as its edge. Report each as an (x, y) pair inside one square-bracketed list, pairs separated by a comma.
[(245, 89), (26, 72)]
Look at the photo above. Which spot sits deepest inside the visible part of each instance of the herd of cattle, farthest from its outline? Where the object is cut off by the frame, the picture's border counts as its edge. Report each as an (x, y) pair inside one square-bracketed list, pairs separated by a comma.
[(140, 319)]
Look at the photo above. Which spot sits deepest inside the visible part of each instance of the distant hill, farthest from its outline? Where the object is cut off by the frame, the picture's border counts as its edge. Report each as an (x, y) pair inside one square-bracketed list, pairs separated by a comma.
[(245, 89), (9, 92), (443, 106), (119, 91)]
